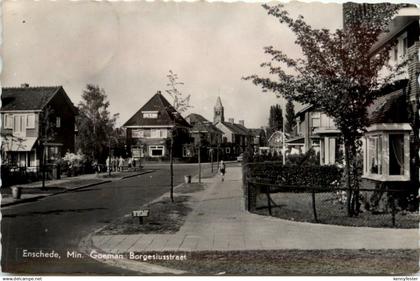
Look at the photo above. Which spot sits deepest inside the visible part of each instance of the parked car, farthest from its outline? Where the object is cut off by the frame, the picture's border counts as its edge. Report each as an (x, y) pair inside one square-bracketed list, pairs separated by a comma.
[(240, 157)]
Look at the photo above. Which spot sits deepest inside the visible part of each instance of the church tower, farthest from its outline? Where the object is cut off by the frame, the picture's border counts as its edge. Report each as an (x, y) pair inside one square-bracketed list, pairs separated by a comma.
[(219, 112)]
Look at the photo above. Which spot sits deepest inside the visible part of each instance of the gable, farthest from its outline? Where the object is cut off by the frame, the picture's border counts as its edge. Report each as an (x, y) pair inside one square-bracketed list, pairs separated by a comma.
[(166, 114)]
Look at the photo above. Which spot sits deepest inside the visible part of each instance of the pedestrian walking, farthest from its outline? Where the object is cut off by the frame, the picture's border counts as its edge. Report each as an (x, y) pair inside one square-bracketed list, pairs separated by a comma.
[(222, 169), (120, 164)]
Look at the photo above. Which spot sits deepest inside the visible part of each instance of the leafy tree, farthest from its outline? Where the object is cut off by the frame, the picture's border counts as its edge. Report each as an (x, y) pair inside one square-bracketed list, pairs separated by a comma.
[(336, 74), (263, 138), (290, 117), (275, 120), (95, 124), (180, 102)]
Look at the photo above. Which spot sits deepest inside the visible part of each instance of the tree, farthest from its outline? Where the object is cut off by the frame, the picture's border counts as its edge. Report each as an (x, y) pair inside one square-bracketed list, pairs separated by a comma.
[(47, 133), (275, 120), (336, 74), (181, 103), (290, 116), (94, 122)]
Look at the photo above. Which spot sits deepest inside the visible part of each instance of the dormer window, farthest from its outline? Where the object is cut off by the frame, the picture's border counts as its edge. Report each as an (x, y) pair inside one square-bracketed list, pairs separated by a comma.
[(150, 114)]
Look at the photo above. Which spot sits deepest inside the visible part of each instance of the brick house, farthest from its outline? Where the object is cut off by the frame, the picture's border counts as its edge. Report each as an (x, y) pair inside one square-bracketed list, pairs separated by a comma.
[(391, 143), (315, 130), (149, 129), (236, 136), (204, 134), (23, 109)]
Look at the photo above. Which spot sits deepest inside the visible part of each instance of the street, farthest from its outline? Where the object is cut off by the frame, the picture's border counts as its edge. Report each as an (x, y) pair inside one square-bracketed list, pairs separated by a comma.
[(60, 222)]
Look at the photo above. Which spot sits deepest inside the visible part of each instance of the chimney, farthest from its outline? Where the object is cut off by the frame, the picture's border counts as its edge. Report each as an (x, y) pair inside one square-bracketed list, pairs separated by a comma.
[(24, 85), (242, 122), (231, 120)]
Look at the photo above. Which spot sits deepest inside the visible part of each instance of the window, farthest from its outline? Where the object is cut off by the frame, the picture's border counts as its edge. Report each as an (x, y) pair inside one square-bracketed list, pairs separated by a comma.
[(404, 46), (52, 153), (375, 155), (8, 121), (156, 150), (136, 134), (386, 152), (396, 154), (187, 151), (150, 114), (19, 125), (396, 53), (58, 122), (227, 150), (147, 133), (316, 116), (155, 134), (30, 121)]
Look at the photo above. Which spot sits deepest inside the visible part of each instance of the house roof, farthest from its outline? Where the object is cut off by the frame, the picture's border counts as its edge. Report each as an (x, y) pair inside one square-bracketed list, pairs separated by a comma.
[(201, 124), (390, 108), (18, 144), (27, 98), (255, 132), (167, 115), (236, 128)]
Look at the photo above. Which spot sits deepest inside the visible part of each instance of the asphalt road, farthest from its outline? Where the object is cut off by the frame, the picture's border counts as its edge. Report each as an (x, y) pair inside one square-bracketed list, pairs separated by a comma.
[(60, 222)]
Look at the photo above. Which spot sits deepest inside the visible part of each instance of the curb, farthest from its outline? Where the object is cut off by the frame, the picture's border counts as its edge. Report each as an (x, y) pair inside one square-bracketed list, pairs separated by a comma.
[(135, 175), (86, 245), (26, 200), (36, 198)]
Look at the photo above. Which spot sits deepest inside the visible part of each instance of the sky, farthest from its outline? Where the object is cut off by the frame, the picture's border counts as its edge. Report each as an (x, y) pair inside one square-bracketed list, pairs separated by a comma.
[(128, 48)]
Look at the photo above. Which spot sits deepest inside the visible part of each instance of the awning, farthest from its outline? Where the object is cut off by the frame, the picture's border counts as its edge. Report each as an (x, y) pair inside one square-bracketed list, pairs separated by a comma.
[(18, 144)]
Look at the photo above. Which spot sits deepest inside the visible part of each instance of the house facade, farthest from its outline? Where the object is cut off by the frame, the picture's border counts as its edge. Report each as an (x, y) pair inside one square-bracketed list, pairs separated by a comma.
[(150, 128), (316, 130), (391, 143), (236, 136), (205, 136), (35, 118)]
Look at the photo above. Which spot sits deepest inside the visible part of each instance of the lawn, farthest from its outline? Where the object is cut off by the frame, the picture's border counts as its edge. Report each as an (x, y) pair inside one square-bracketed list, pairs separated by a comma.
[(165, 217), (299, 262), (298, 207)]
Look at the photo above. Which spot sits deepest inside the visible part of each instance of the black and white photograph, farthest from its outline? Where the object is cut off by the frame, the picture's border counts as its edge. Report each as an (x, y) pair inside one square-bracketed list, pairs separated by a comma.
[(163, 138)]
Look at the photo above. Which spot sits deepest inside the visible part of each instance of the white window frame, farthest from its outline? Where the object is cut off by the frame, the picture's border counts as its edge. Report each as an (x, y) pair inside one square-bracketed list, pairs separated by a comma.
[(402, 46), (385, 130), (137, 133), (150, 114), (227, 150), (8, 121), (30, 121), (156, 147)]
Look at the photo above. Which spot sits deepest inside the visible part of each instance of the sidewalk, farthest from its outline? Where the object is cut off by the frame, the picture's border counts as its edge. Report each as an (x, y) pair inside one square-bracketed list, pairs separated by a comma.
[(219, 222), (33, 191)]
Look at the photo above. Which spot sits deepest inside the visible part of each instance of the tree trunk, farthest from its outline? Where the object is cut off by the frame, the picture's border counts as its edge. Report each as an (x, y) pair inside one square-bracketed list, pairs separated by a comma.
[(348, 177), (43, 166), (171, 160)]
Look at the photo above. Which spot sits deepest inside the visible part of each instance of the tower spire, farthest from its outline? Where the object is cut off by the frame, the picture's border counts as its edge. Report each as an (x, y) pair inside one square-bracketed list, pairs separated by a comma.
[(219, 111)]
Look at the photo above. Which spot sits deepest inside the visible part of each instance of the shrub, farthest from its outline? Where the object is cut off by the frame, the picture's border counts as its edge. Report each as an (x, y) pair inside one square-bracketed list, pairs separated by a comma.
[(295, 177)]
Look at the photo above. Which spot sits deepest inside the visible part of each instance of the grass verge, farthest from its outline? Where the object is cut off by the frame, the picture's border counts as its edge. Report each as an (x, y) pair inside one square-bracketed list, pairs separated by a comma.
[(165, 217), (298, 207), (299, 262)]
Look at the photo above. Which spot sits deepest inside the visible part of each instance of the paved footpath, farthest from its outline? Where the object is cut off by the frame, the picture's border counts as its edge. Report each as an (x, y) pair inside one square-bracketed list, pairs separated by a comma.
[(219, 222)]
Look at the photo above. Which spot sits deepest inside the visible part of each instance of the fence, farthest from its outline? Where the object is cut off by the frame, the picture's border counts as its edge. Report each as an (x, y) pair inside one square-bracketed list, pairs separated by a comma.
[(315, 197)]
